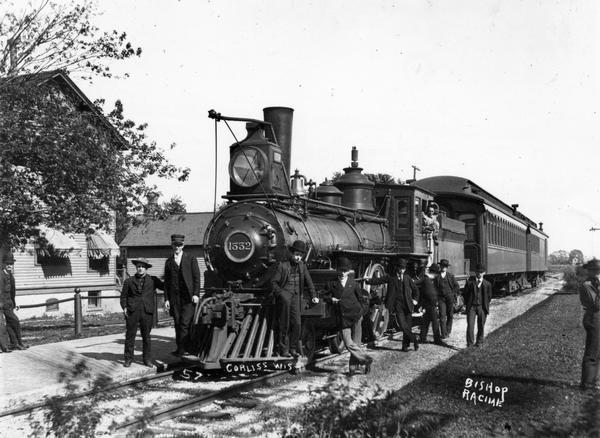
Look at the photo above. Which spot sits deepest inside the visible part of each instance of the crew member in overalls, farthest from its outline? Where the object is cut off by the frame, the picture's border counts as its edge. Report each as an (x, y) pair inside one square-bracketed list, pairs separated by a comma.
[(590, 300), (182, 291), (287, 284)]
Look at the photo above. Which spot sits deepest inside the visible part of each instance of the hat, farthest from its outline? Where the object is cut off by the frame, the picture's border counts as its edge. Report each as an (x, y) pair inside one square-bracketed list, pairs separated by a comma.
[(402, 263), (480, 267), (177, 239), (444, 263), (8, 259), (593, 265), (434, 268), (299, 246), (142, 261), (344, 264)]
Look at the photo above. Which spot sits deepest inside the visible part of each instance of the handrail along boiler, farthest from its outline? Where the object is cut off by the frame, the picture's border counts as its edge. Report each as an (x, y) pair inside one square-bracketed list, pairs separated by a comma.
[(268, 208)]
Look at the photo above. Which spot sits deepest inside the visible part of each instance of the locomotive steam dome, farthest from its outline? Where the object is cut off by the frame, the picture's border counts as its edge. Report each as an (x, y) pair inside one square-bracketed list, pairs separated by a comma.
[(327, 192), (357, 188)]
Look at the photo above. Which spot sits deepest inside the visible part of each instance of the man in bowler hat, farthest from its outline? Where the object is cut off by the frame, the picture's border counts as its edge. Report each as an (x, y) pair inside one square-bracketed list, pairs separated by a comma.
[(478, 294), (137, 302), (290, 279), (8, 303), (402, 296), (590, 300), (429, 303), (447, 289), (182, 291)]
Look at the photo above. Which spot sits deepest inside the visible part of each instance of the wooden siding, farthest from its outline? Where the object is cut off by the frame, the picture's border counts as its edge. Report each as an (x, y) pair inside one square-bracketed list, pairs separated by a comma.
[(32, 278), (158, 255)]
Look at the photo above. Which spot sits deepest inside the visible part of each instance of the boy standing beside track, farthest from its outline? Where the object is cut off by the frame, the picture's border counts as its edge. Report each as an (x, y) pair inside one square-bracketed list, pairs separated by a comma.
[(590, 300), (138, 304)]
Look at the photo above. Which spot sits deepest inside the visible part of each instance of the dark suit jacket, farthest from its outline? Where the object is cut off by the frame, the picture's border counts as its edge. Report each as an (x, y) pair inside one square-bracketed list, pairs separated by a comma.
[(191, 276), (405, 291), (428, 292), (132, 300), (282, 273), (453, 283), (486, 293), (7, 290), (350, 297)]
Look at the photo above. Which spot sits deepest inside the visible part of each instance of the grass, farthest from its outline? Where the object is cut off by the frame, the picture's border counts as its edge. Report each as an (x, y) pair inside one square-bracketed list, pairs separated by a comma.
[(39, 331), (536, 356)]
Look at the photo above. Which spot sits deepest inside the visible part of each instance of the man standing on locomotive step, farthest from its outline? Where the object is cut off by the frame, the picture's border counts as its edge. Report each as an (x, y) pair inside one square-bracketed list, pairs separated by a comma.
[(182, 291), (478, 294), (590, 300), (138, 304), (447, 288), (8, 293), (429, 304), (402, 296), (287, 284)]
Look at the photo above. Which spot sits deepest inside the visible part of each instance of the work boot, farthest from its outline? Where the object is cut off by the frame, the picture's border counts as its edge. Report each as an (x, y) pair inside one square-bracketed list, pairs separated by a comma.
[(127, 363)]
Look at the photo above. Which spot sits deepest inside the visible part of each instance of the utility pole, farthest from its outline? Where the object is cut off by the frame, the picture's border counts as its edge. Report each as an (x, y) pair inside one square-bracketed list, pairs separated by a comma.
[(593, 249), (415, 169)]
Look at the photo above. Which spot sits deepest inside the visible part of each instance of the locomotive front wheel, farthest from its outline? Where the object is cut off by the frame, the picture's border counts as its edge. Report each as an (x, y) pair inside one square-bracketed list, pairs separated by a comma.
[(381, 320)]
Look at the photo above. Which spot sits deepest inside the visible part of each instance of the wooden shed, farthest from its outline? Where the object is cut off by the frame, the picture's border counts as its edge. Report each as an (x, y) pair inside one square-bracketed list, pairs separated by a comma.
[(152, 240)]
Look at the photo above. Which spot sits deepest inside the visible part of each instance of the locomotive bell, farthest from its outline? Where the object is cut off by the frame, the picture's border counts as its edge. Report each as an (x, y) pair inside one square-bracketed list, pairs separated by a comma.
[(298, 187), (357, 188)]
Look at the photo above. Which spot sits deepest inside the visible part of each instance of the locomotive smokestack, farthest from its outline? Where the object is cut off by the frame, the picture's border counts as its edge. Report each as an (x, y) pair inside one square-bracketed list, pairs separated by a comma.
[(280, 118)]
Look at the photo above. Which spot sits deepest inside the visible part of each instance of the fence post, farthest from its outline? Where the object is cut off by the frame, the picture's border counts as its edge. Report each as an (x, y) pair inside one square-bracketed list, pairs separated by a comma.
[(155, 315), (78, 313)]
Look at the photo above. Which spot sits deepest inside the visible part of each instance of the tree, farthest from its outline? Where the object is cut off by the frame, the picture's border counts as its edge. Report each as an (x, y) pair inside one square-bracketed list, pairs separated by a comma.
[(575, 257), (53, 34), (61, 164), (560, 257), (378, 178)]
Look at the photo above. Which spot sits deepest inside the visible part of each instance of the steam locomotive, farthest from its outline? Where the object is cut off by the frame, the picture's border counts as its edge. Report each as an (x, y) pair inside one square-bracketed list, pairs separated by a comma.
[(372, 224)]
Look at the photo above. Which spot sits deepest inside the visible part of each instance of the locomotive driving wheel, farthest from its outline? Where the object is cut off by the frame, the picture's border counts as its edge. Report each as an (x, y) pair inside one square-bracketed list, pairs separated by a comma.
[(380, 316)]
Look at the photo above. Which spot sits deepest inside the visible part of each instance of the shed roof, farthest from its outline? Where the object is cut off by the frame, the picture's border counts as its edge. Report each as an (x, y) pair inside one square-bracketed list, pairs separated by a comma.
[(158, 232)]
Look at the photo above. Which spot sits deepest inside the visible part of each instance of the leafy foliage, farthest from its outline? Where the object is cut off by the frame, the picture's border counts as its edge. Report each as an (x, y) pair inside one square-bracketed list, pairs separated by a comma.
[(378, 178), (61, 165), (52, 34)]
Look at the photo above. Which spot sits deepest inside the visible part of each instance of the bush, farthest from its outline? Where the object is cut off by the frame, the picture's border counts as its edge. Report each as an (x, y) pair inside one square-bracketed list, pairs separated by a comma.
[(573, 276)]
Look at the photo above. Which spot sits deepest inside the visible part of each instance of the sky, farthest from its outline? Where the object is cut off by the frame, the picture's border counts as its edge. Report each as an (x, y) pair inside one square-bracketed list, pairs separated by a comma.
[(505, 93)]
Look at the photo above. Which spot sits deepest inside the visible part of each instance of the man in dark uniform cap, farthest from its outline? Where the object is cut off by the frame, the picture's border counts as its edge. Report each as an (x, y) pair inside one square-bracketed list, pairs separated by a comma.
[(447, 289), (288, 283), (137, 302), (182, 291), (429, 303), (7, 300), (478, 294), (402, 296), (590, 300)]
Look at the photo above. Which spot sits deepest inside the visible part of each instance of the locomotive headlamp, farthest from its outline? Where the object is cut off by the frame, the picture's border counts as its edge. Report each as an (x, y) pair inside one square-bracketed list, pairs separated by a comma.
[(247, 167)]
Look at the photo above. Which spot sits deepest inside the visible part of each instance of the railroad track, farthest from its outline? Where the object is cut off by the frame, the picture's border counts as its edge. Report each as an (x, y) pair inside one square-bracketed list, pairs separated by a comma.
[(207, 397)]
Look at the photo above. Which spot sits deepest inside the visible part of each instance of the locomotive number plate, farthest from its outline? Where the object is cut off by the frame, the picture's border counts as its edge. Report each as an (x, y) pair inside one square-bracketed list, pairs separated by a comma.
[(239, 247)]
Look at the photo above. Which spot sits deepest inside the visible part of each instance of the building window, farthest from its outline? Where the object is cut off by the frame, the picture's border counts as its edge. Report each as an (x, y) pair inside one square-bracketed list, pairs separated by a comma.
[(51, 305), (99, 264), (94, 298)]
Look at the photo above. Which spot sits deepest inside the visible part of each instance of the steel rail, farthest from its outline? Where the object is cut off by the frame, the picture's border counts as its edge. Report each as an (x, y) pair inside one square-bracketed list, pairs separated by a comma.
[(205, 398)]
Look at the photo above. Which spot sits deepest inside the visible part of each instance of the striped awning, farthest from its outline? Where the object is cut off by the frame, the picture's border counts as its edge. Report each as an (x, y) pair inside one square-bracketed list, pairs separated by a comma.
[(53, 243), (100, 245)]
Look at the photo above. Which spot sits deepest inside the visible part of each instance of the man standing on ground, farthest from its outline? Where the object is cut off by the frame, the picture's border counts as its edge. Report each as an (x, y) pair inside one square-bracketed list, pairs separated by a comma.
[(429, 303), (402, 296), (138, 304), (8, 294), (288, 283), (447, 288), (590, 300), (182, 291), (478, 294)]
